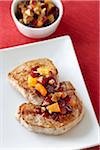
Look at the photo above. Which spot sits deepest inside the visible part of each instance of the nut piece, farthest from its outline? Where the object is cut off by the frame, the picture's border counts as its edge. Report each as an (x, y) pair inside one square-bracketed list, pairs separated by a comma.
[(43, 109), (28, 12), (52, 81), (43, 12), (27, 19)]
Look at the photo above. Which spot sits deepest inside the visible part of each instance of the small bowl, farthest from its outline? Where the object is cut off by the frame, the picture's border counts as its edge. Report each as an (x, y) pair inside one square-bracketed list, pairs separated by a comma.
[(37, 32)]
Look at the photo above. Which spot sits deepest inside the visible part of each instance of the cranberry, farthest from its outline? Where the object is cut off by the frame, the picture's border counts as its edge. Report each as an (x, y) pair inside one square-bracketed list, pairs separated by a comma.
[(37, 110), (46, 80), (64, 107), (47, 101), (34, 23), (44, 19), (60, 88), (54, 11), (33, 2), (34, 74), (50, 88), (35, 16), (46, 23), (45, 114), (62, 103), (19, 14), (67, 99), (35, 68), (51, 77)]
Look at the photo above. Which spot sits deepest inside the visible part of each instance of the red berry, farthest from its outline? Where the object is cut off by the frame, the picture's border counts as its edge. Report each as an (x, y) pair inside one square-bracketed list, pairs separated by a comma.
[(44, 19), (46, 80), (62, 103), (67, 99), (54, 11), (34, 74), (47, 101), (45, 114), (37, 110), (35, 68), (33, 2)]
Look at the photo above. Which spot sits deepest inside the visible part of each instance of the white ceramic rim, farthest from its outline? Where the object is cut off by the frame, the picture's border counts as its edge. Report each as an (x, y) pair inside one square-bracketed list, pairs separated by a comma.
[(34, 29)]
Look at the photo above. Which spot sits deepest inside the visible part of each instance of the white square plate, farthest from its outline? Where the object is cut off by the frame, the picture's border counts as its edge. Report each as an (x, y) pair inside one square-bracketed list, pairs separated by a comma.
[(12, 134)]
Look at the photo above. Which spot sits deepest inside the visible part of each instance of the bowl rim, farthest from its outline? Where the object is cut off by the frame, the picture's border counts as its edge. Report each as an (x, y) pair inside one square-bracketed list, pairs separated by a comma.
[(41, 28)]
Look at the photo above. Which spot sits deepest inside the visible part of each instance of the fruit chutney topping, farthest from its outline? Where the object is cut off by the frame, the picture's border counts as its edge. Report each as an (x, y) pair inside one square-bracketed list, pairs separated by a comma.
[(37, 13), (42, 80), (57, 102)]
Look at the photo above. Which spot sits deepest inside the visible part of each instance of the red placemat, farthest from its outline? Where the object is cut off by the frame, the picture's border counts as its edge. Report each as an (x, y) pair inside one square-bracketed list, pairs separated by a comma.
[(81, 22)]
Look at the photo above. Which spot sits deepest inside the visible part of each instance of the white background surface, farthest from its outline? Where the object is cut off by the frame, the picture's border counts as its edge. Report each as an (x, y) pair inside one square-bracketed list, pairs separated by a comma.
[(12, 134)]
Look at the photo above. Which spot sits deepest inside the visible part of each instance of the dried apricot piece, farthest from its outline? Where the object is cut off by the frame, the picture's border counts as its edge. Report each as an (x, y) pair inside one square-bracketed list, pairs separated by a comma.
[(31, 81), (40, 88), (53, 108), (73, 103)]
